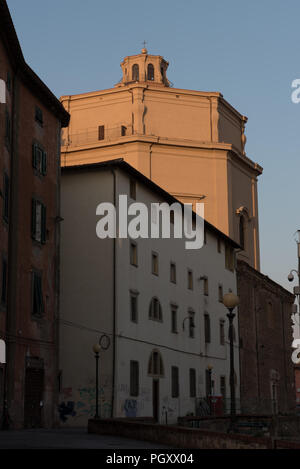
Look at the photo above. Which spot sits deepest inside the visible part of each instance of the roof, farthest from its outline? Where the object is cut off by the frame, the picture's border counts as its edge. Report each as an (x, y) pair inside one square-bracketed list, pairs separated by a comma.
[(10, 40), (123, 165)]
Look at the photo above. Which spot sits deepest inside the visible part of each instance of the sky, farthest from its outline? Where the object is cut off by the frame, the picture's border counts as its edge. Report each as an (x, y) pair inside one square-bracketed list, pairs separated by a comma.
[(249, 51)]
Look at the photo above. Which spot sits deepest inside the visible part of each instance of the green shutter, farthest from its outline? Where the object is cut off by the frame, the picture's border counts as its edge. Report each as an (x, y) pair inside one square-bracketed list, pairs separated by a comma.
[(44, 163), (33, 218), (43, 227)]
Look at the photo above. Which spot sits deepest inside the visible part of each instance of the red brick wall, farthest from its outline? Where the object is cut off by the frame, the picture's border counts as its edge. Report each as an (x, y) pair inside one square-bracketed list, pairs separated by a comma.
[(266, 338)]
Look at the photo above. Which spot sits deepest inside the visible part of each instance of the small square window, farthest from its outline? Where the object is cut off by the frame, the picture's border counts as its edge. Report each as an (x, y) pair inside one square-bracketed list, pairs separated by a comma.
[(155, 263), (133, 254), (101, 132)]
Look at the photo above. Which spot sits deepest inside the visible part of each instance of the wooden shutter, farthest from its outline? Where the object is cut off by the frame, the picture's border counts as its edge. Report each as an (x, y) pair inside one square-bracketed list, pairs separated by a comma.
[(44, 163), (43, 224), (34, 155)]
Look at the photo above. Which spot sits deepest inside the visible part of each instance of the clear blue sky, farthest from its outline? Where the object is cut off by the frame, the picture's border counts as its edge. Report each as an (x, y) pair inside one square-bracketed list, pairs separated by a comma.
[(247, 50)]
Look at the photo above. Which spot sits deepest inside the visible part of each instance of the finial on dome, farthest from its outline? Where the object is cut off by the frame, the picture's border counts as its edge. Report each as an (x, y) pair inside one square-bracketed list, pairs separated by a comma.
[(144, 50)]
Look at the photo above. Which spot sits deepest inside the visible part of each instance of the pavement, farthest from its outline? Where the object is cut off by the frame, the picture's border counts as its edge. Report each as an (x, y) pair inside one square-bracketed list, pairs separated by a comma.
[(68, 439)]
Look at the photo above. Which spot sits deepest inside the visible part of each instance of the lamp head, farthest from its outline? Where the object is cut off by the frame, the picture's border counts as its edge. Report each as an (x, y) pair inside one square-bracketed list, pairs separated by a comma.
[(230, 300), (96, 348), (290, 277)]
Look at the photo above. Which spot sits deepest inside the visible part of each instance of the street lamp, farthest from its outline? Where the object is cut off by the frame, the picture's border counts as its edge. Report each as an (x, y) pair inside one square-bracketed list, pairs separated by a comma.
[(96, 350), (297, 272), (230, 301)]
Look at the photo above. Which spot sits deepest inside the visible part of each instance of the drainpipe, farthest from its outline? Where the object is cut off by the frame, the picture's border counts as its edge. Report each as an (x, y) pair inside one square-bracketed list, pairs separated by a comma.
[(150, 161), (114, 303)]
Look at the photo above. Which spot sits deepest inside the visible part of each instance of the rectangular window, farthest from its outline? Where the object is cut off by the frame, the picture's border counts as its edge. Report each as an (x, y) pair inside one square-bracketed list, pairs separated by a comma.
[(38, 221), (190, 280), (133, 307), (39, 159), (132, 189), (133, 254), (101, 132), (173, 272), (191, 324), (229, 258), (175, 381), (223, 386), (222, 332), (39, 116), (123, 130), (205, 286), (4, 282), (207, 328), (220, 293), (134, 378), (155, 263), (174, 319), (192, 382), (37, 295), (6, 197)]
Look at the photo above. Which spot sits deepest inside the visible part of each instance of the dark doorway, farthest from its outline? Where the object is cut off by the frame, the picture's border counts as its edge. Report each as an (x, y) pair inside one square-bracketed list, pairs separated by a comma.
[(155, 399), (34, 387)]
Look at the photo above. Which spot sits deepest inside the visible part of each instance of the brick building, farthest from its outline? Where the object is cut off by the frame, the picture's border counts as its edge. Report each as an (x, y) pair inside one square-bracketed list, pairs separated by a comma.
[(265, 330), (30, 124)]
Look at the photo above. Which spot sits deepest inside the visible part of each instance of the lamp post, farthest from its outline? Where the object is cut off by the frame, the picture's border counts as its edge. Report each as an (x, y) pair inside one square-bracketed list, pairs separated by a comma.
[(230, 301), (96, 350), (291, 275)]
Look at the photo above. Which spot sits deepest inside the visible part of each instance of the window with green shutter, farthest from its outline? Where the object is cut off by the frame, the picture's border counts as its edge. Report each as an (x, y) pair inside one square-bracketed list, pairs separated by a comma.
[(37, 295), (39, 159), (38, 221)]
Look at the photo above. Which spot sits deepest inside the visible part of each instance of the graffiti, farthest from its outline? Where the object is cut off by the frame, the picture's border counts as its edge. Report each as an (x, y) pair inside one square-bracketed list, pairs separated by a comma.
[(66, 411), (130, 408)]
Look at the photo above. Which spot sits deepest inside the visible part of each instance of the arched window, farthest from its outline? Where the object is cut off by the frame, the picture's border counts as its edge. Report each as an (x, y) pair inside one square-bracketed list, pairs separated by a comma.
[(150, 72), (242, 231), (155, 365), (155, 310), (135, 72)]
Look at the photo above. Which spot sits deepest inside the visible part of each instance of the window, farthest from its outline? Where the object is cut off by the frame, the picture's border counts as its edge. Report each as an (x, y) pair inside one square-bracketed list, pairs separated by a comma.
[(132, 189), (155, 263), (220, 293), (222, 332), (205, 286), (174, 329), (134, 378), (219, 245), (133, 254), (101, 132), (39, 116), (191, 324), (155, 365), (207, 328), (6, 197), (242, 231), (175, 381), (38, 221), (150, 72), (173, 272), (4, 282), (7, 128), (134, 306), (135, 72), (155, 310), (190, 280), (192, 382), (37, 295), (229, 258), (223, 386), (39, 159), (123, 130)]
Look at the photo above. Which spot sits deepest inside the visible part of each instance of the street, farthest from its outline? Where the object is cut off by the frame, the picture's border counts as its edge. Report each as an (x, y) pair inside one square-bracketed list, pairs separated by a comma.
[(67, 439)]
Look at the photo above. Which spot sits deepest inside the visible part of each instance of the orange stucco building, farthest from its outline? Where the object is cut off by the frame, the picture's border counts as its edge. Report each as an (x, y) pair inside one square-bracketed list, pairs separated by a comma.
[(192, 143)]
